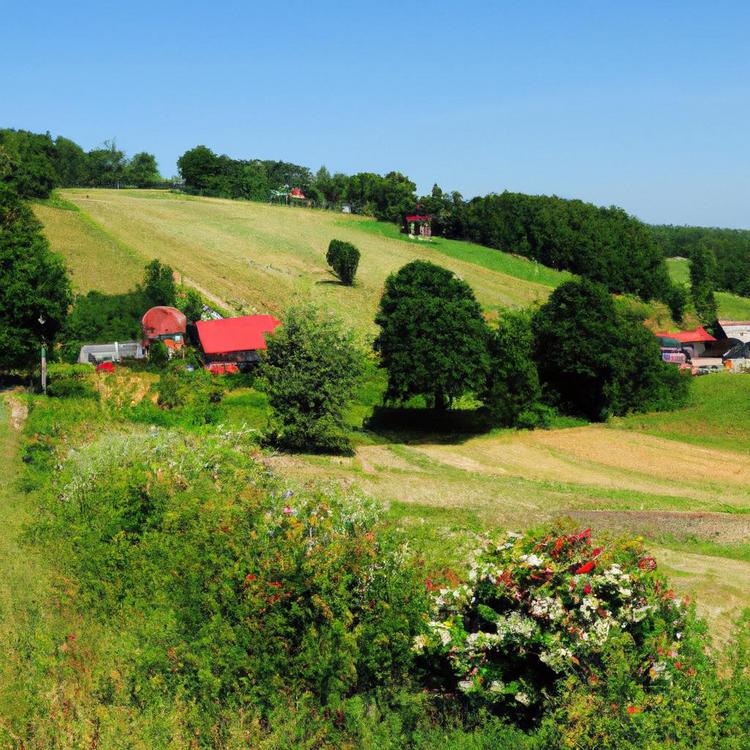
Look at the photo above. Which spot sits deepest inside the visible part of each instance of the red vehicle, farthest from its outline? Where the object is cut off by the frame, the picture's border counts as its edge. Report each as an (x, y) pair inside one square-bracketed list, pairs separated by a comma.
[(105, 367)]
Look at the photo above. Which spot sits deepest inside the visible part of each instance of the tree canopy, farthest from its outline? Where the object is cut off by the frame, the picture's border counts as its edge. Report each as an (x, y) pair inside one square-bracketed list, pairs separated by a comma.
[(34, 286), (595, 361), (433, 338)]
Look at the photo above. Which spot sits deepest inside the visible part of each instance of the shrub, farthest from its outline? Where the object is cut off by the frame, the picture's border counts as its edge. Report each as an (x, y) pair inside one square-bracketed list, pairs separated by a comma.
[(232, 589), (195, 392), (343, 258), (158, 354), (312, 369), (71, 380), (546, 610)]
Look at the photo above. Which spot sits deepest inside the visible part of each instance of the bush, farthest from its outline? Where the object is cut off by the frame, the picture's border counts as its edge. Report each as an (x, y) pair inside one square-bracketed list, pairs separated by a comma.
[(233, 590), (545, 612), (158, 354), (343, 258), (71, 380), (196, 393), (312, 369)]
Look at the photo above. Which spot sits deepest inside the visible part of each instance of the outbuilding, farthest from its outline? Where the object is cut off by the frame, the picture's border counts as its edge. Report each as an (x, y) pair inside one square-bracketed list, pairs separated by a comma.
[(235, 341), (692, 342), (165, 324)]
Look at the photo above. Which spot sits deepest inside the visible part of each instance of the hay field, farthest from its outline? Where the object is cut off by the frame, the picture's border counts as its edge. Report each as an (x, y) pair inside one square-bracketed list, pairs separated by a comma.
[(259, 257)]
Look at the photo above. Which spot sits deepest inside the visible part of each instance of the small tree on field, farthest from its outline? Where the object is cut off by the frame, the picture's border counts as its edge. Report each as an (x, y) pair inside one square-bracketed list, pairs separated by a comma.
[(343, 258), (312, 368), (433, 338), (34, 286)]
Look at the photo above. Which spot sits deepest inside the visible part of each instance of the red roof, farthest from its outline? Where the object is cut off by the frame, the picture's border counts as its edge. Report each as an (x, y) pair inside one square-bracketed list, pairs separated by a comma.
[(689, 337), (161, 321), (416, 217), (246, 333)]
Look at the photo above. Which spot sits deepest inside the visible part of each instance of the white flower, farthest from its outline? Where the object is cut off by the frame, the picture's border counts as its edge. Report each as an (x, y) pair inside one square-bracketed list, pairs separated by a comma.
[(548, 607), (496, 686), (523, 698), (534, 560), (465, 685), (419, 644)]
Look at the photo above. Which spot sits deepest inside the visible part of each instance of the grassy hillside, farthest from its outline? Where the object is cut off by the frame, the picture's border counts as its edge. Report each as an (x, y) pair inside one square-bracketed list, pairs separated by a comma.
[(680, 479), (259, 257), (730, 305)]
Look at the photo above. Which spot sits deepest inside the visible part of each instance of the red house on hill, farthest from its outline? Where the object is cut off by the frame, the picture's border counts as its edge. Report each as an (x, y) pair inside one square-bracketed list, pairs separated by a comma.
[(694, 341), (230, 344)]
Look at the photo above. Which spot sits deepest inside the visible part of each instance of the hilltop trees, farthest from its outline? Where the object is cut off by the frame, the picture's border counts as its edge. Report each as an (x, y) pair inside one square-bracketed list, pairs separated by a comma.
[(343, 258), (433, 338), (312, 368), (34, 285), (159, 287), (595, 361)]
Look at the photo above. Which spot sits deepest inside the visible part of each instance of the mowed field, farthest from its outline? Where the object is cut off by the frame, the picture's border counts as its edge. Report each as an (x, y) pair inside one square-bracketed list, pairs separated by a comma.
[(257, 257), (680, 480)]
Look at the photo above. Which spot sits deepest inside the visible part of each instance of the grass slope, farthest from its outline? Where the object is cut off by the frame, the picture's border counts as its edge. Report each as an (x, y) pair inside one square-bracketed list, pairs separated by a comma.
[(260, 257), (731, 306)]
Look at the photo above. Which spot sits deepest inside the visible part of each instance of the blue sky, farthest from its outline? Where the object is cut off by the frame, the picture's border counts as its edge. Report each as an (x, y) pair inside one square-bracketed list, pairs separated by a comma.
[(640, 104)]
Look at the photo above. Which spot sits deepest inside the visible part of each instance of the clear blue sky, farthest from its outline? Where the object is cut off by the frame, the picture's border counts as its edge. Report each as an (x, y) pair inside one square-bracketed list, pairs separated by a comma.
[(640, 104)]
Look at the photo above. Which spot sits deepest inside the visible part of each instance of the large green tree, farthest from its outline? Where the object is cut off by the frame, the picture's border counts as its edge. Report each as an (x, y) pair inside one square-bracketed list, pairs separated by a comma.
[(312, 368), (158, 284), (34, 285), (512, 392), (433, 338), (595, 361)]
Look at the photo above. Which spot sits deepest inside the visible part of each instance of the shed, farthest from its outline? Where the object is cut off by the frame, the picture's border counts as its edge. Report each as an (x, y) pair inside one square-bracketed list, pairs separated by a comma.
[(236, 340), (165, 324)]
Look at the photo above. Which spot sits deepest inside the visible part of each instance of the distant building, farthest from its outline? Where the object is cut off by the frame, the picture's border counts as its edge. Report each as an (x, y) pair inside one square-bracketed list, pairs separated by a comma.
[(693, 342), (418, 225), (165, 324), (736, 330), (233, 341)]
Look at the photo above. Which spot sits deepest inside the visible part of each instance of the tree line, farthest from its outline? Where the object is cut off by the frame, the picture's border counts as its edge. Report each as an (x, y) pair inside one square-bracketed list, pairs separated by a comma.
[(34, 164), (606, 245)]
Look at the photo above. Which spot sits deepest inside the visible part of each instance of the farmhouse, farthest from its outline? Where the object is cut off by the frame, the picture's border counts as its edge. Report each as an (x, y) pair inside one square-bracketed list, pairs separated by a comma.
[(165, 324), (230, 344)]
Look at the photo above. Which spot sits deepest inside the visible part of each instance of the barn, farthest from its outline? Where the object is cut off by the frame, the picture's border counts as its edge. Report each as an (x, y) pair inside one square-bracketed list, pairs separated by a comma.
[(233, 341)]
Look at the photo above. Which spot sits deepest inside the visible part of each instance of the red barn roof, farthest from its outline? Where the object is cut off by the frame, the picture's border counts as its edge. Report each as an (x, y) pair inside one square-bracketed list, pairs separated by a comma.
[(246, 333), (689, 337), (161, 321)]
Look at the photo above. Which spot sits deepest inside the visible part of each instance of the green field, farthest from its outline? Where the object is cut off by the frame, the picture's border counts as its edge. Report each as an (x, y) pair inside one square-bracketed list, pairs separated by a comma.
[(731, 307), (679, 479)]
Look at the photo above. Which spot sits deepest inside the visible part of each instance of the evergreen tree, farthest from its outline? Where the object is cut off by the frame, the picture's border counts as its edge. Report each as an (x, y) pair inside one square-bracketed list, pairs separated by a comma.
[(433, 338), (159, 287), (34, 286)]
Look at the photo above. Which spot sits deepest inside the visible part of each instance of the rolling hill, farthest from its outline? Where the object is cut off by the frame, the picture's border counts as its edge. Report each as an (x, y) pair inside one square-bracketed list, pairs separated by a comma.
[(676, 478)]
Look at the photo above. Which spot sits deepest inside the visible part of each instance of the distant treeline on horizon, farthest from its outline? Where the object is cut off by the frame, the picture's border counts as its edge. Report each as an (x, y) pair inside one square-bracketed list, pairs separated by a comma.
[(605, 244)]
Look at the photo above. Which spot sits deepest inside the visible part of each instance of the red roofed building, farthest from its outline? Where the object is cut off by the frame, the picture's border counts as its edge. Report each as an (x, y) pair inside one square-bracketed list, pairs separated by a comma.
[(165, 324), (695, 340), (234, 340)]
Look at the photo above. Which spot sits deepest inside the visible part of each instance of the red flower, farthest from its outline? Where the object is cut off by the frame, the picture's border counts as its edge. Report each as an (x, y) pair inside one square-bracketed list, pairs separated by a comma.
[(633, 710), (249, 578), (586, 567), (598, 551), (275, 584), (647, 563), (587, 588), (678, 665), (585, 534), (559, 544)]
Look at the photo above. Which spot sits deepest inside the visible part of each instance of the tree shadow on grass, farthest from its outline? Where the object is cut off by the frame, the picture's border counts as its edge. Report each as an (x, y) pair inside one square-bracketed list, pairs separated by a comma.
[(330, 282), (420, 425)]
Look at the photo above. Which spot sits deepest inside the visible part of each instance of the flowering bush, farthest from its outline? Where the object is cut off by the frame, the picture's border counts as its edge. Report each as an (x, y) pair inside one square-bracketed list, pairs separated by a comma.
[(542, 607)]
